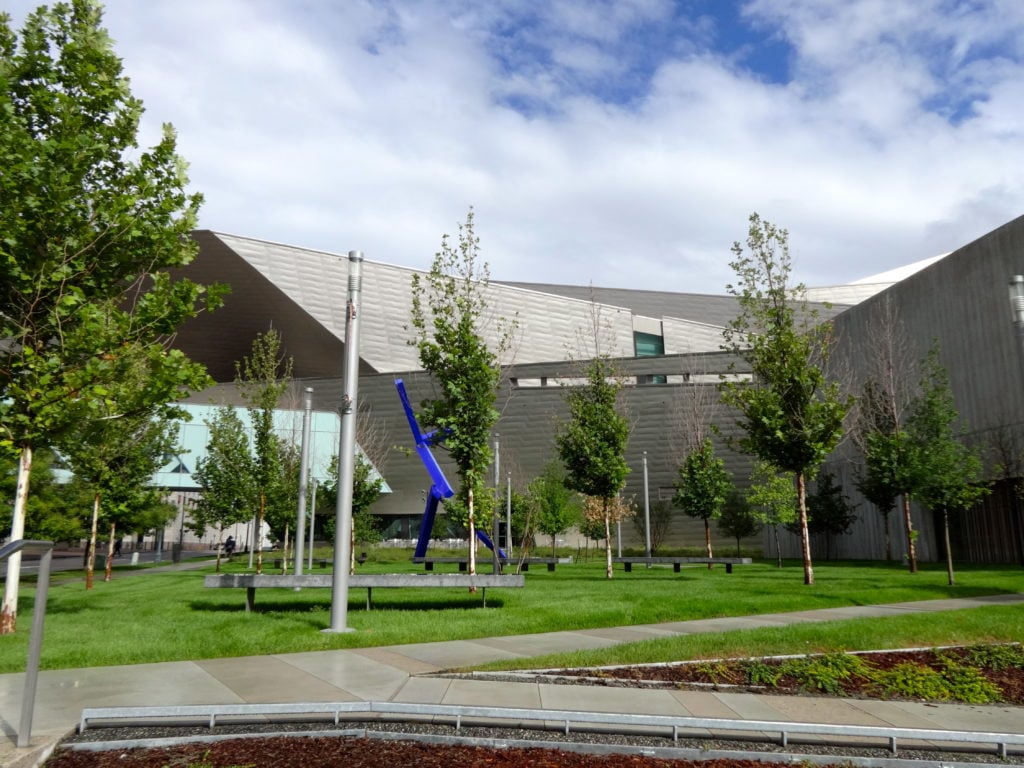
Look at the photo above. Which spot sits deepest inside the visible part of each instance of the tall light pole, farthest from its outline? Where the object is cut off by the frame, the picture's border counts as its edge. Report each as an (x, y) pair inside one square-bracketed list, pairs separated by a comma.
[(647, 511), (496, 518), (346, 448), (300, 522)]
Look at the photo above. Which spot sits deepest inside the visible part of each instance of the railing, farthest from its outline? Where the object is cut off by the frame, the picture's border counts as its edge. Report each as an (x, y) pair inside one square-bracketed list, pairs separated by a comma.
[(210, 714), (35, 638)]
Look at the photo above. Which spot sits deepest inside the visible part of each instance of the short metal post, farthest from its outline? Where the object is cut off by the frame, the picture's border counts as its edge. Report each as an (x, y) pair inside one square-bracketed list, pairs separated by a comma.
[(35, 644)]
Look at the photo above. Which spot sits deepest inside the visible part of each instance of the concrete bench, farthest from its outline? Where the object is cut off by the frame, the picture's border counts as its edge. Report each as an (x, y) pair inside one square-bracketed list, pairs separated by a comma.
[(253, 581), (463, 562), (677, 562)]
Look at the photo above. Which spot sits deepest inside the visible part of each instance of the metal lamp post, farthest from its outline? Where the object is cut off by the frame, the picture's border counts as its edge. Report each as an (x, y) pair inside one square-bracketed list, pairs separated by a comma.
[(647, 511), (300, 522), (346, 449)]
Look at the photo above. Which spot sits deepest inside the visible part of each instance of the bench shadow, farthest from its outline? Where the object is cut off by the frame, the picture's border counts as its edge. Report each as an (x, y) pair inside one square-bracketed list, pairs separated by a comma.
[(469, 602)]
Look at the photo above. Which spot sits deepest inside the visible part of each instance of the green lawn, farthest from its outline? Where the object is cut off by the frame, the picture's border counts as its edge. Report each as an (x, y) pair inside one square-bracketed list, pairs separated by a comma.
[(138, 618)]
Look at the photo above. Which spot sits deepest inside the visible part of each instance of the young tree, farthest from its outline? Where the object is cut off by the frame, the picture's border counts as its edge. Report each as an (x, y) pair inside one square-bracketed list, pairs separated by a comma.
[(117, 450), (831, 513), (874, 479), (702, 488), (773, 500), (555, 508), (90, 225), (950, 474), (888, 469), (791, 415), (598, 516), (660, 522), (226, 477), (262, 378), (592, 443), (367, 486), (449, 313), (737, 520)]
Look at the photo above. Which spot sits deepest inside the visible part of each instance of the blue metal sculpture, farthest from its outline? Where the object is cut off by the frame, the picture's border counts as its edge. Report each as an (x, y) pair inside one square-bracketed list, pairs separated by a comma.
[(440, 488)]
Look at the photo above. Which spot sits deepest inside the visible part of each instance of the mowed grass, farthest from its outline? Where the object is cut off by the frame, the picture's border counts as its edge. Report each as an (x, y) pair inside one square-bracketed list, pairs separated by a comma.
[(149, 617)]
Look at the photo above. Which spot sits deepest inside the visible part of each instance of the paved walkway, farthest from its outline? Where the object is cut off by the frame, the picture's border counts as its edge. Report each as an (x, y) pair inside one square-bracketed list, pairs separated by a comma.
[(392, 673)]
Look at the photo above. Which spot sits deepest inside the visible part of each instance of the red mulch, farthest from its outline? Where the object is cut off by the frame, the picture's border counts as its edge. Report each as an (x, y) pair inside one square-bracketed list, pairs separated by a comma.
[(363, 753)]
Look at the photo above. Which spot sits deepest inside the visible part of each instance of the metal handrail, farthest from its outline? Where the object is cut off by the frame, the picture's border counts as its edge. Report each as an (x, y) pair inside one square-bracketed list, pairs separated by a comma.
[(578, 720), (35, 638)]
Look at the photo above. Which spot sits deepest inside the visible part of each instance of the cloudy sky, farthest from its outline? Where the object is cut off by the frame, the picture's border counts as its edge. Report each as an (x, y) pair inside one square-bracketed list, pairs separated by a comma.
[(614, 142)]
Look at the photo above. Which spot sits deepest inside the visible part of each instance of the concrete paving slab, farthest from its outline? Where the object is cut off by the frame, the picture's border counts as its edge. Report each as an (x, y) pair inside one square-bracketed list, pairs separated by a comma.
[(395, 660), (620, 635), (891, 713), (493, 694), (452, 654), (423, 690), (822, 709), (702, 704), (748, 706), (357, 675), (265, 679), (590, 698), (967, 717), (552, 642)]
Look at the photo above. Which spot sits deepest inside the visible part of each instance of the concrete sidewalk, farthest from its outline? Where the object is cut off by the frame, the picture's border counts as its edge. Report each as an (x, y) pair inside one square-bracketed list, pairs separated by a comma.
[(396, 673)]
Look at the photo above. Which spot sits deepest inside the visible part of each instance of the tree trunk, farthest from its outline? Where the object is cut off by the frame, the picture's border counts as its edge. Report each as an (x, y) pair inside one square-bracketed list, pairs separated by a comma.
[(608, 540), (284, 552), (90, 555), (258, 537), (949, 550), (707, 539), (888, 538), (9, 612), (472, 535), (108, 566), (553, 550), (908, 526), (805, 534), (220, 547)]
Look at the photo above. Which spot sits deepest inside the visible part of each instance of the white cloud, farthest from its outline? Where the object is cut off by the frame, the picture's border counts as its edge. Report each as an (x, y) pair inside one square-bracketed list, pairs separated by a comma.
[(599, 142)]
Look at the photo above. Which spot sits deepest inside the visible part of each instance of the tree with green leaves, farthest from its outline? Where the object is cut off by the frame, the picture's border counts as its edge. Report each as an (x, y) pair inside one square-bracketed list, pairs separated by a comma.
[(874, 479), (950, 475), (226, 477), (702, 488), (449, 314), (367, 486), (737, 520), (791, 415), (773, 500), (555, 508), (90, 227), (831, 513), (117, 450), (592, 444), (262, 377), (888, 470)]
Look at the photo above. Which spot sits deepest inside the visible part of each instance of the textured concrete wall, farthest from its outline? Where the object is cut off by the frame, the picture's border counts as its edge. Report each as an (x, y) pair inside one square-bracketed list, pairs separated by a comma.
[(961, 302), (530, 418)]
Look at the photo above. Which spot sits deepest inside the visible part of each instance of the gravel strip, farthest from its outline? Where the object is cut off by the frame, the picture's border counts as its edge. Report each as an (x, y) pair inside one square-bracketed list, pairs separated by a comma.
[(643, 743)]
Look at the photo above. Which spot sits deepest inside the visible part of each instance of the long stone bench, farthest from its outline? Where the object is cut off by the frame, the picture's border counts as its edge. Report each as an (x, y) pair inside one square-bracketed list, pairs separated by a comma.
[(368, 581), (678, 562)]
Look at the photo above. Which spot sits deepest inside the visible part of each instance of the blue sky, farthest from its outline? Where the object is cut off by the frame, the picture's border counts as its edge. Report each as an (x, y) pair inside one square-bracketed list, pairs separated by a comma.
[(615, 143)]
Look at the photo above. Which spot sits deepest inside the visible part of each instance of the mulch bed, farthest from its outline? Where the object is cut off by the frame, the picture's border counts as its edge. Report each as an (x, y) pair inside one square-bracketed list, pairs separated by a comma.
[(1010, 680), (364, 753)]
